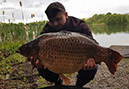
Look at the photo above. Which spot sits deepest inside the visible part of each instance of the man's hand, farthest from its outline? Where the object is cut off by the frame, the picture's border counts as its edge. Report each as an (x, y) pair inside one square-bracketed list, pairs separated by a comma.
[(89, 64), (36, 62)]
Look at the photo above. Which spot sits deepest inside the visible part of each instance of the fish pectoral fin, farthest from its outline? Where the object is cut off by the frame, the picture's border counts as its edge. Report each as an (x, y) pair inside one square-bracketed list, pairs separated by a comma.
[(65, 79)]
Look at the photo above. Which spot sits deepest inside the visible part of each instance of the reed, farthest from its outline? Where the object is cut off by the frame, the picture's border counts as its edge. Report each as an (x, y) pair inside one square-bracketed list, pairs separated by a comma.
[(9, 20), (20, 3), (3, 16), (22, 10), (32, 15), (13, 17)]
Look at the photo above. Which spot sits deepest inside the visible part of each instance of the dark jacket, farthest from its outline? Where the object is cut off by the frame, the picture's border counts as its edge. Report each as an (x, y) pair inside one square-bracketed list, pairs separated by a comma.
[(72, 24)]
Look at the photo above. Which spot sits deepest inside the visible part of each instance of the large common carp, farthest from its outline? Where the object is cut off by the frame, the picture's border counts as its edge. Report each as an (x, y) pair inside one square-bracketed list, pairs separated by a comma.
[(67, 52)]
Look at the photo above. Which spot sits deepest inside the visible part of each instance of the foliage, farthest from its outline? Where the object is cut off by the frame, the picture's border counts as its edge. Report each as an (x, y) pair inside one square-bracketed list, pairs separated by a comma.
[(41, 81), (108, 19), (8, 56), (7, 63), (109, 29), (9, 47)]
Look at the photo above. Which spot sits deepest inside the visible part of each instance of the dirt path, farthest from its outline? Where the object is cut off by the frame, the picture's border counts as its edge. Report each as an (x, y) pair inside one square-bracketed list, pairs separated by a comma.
[(102, 80)]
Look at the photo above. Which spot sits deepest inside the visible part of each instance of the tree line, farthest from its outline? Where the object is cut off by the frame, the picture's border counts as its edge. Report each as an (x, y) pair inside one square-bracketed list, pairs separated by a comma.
[(108, 19)]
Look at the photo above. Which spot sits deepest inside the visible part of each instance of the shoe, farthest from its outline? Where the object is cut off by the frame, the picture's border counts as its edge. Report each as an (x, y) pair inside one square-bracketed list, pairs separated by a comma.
[(59, 82), (79, 86)]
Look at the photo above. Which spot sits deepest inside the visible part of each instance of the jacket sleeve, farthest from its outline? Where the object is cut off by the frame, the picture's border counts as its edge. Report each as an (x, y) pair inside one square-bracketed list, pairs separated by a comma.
[(84, 29)]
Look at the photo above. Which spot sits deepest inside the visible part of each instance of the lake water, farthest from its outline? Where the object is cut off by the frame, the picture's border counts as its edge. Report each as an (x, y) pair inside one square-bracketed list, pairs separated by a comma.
[(112, 39), (111, 35)]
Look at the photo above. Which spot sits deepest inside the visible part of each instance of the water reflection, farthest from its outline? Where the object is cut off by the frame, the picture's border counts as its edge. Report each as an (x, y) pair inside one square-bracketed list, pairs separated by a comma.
[(111, 35), (101, 29)]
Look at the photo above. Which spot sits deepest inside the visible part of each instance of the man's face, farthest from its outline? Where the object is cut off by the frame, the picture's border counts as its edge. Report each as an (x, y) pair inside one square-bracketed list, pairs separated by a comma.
[(59, 20)]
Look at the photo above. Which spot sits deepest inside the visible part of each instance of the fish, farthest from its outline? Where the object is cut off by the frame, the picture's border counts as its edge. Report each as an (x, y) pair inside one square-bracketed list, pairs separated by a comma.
[(66, 52)]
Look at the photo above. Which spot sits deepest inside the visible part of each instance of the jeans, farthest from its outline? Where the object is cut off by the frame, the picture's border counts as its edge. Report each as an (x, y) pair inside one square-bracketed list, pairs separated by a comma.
[(83, 77)]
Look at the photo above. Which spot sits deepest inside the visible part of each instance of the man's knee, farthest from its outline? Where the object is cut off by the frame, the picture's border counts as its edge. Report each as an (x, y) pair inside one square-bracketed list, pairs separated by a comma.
[(48, 75), (85, 76)]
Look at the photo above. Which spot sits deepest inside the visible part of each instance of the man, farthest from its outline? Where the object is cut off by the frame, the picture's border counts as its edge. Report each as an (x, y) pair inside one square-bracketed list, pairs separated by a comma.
[(59, 20)]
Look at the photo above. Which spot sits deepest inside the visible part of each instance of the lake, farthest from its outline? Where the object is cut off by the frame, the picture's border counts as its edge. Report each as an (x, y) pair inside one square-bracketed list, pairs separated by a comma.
[(105, 35), (111, 35), (119, 38)]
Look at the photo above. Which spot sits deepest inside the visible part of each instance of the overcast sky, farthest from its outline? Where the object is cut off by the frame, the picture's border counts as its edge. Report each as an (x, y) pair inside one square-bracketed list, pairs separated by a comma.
[(77, 8)]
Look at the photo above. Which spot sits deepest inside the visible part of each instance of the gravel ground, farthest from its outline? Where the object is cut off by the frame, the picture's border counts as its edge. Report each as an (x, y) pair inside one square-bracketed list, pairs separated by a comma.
[(105, 80)]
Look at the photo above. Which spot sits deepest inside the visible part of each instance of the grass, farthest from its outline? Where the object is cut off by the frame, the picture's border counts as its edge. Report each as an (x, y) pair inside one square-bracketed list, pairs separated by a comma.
[(8, 58), (41, 81)]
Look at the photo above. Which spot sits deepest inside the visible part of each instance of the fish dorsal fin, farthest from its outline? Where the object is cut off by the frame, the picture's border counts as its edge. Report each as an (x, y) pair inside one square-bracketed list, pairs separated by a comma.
[(65, 79)]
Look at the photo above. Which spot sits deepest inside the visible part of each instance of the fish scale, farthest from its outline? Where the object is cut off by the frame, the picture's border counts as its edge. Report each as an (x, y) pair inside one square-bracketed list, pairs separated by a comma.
[(67, 45), (67, 52)]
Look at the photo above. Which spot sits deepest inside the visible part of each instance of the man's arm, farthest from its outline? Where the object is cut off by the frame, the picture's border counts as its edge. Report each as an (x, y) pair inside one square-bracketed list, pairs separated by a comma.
[(85, 30)]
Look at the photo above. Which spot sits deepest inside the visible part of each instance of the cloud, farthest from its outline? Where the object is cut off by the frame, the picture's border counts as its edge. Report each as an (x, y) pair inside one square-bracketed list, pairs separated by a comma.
[(80, 9), (35, 5), (121, 9), (8, 8)]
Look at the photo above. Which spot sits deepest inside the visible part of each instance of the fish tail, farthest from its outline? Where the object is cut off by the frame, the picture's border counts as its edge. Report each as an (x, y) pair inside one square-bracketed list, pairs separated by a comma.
[(114, 59), (65, 79)]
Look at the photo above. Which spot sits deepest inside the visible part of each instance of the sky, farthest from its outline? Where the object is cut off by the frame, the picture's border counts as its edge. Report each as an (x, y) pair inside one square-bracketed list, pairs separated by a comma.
[(77, 8)]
